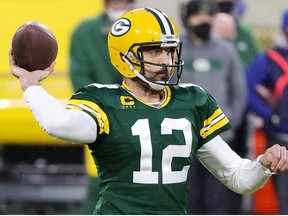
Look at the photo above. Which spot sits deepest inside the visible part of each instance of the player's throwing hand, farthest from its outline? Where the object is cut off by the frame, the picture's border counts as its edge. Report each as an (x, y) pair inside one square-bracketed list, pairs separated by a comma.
[(27, 78)]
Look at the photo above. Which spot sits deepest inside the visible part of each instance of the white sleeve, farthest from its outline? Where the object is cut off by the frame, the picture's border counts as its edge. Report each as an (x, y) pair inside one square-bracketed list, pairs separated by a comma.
[(71, 125), (242, 176)]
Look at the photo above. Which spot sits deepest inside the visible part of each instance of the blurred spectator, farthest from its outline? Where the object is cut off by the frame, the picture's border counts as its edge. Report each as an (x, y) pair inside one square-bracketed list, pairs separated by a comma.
[(90, 63), (267, 79), (245, 42), (213, 64), (224, 26)]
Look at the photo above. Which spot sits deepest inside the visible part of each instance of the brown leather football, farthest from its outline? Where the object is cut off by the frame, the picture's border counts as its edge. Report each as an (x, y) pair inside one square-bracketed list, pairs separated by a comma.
[(34, 47)]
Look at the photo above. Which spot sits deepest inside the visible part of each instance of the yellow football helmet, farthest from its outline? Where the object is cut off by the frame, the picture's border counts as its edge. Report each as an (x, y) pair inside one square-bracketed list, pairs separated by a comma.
[(140, 28)]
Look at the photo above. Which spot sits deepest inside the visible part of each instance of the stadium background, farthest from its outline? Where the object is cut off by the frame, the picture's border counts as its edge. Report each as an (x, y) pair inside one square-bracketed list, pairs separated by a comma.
[(23, 142)]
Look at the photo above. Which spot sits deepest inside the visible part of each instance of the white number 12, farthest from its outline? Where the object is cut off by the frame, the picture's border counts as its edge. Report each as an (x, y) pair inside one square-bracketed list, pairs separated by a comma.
[(145, 175)]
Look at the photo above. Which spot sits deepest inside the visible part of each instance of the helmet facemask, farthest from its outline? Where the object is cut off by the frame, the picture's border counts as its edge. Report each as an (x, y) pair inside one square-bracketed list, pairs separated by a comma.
[(134, 58)]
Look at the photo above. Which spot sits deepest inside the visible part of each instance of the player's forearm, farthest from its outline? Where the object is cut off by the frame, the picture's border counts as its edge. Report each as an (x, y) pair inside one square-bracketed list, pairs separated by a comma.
[(71, 125), (241, 175), (249, 176)]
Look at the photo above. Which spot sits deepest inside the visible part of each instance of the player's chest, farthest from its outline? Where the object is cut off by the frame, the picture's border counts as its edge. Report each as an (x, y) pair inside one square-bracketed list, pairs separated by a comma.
[(155, 130), (154, 145)]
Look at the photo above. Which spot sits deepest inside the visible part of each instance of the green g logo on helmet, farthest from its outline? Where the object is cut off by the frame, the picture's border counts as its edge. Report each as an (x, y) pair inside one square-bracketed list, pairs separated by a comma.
[(120, 27)]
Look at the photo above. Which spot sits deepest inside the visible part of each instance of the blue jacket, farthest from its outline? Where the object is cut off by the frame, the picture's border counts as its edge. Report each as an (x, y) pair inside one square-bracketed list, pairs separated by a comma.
[(266, 72)]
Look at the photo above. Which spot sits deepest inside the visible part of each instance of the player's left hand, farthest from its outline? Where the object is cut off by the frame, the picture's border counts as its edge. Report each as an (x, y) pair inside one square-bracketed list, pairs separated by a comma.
[(27, 78), (275, 158)]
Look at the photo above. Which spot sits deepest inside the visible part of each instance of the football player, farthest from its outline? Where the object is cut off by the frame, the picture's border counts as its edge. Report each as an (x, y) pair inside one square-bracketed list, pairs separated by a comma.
[(144, 133)]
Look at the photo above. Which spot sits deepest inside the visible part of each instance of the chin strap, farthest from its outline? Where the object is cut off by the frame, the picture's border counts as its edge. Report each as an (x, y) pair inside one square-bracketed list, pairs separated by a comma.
[(154, 86)]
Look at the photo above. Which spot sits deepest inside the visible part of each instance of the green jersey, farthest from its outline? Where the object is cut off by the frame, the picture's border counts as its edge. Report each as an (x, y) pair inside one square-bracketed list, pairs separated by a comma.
[(143, 151)]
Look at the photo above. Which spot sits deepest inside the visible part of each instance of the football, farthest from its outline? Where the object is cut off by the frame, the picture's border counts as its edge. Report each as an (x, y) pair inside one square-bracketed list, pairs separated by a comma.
[(34, 47)]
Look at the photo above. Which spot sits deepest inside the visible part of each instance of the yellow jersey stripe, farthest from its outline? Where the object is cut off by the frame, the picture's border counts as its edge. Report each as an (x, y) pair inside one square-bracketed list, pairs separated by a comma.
[(89, 161), (168, 96), (208, 121), (213, 123), (95, 110), (214, 127)]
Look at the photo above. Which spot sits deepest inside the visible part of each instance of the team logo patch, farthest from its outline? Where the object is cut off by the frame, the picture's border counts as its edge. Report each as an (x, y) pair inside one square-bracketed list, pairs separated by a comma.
[(121, 27)]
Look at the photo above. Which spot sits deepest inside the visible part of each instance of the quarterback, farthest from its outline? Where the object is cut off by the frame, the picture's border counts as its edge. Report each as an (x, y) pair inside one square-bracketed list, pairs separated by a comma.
[(144, 133)]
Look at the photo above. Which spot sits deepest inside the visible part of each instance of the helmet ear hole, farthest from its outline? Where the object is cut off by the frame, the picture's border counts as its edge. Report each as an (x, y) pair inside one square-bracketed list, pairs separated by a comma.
[(140, 53), (121, 57)]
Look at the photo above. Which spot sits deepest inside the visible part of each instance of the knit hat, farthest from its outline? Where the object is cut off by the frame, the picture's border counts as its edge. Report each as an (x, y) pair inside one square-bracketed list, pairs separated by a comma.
[(198, 6)]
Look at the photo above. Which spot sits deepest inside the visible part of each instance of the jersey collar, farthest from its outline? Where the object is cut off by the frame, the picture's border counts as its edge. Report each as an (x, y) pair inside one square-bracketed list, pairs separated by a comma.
[(166, 95)]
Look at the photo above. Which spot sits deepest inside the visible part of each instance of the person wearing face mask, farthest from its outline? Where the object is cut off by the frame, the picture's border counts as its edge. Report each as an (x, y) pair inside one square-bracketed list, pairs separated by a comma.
[(90, 63), (212, 63)]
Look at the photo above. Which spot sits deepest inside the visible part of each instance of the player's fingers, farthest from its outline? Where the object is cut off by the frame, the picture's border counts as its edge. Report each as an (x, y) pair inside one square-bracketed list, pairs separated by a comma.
[(15, 70), (53, 64), (51, 67), (274, 156), (282, 161), (45, 73), (285, 167), (285, 163), (278, 157), (11, 60)]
